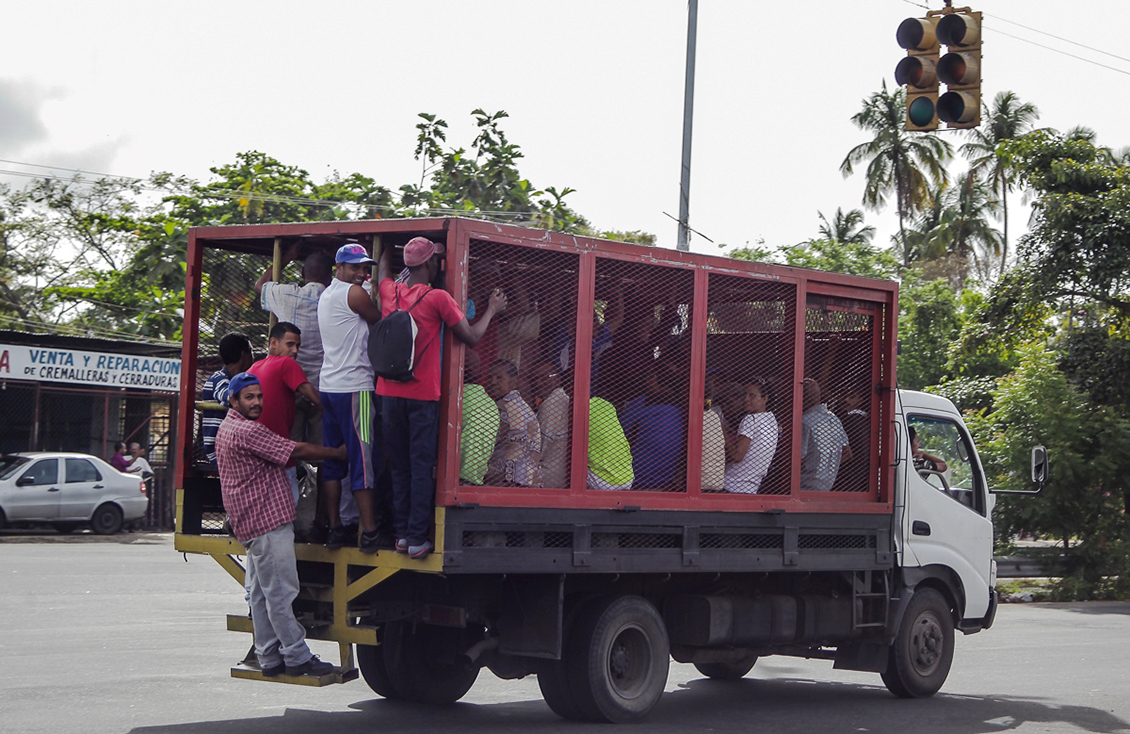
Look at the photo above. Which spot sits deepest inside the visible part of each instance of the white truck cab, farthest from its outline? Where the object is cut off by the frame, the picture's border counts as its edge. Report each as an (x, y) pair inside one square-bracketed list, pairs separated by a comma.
[(943, 519)]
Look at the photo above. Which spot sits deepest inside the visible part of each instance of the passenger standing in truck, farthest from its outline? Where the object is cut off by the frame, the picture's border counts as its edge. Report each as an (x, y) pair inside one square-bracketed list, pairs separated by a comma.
[(657, 431), (298, 305), (479, 420), (517, 450), (410, 409), (756, 443), (824, 443), (235, 351), (609, 455), (256, 497), (553, 420), (345, 311), (281, 379)]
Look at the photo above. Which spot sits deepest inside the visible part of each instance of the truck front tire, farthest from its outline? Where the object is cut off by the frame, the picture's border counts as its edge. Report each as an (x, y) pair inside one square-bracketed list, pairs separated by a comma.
[(922, 652), (617, 659)]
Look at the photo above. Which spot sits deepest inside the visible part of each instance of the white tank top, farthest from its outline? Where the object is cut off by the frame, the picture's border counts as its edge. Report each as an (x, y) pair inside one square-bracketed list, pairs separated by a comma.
[(345, 343)]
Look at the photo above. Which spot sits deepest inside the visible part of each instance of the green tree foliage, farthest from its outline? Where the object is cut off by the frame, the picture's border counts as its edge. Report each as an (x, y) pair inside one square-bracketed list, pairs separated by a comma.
[(928, 327), (900, 164), (1078, 248), (851, 258), (1085, 499), (107, 257), (1007, 119)]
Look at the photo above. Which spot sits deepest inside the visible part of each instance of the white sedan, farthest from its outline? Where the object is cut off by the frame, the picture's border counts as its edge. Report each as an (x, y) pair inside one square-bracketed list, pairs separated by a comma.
[(67, 490)]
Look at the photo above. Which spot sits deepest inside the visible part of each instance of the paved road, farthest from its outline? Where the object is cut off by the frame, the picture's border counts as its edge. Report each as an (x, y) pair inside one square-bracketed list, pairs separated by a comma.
[(123, 635)]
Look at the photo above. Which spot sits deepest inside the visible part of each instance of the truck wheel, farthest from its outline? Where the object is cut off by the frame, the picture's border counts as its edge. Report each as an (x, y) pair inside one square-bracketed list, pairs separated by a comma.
[(617, 659), (727, 671), (553, 680), (423, 662), (106, 520), (374, 669), (922, 652)]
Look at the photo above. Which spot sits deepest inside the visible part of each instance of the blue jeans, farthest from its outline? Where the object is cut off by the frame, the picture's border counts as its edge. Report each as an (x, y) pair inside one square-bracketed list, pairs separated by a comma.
[(411, 430), (273, 574)]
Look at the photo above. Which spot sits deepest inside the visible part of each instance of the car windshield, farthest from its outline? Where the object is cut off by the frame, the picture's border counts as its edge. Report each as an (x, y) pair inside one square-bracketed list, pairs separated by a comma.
[(9, 465)]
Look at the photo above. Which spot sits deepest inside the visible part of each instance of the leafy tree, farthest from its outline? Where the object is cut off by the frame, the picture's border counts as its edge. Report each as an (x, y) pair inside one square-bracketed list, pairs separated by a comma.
[(953, 236), (851, 258), (847, 228), (900, 164), (1085, 499), (1078, 247), (929, 324), (1007, 119)]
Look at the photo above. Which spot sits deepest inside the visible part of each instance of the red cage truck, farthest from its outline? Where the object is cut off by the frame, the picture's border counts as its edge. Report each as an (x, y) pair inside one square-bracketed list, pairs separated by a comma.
[(763, 498)]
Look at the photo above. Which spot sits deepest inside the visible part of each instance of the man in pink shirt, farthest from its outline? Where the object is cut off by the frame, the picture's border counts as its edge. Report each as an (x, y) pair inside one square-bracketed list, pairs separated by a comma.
[(410, 410), (280, 377)]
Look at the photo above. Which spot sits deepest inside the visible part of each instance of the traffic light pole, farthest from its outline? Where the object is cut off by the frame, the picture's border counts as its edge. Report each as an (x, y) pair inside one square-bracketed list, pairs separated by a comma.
[(688, 118)]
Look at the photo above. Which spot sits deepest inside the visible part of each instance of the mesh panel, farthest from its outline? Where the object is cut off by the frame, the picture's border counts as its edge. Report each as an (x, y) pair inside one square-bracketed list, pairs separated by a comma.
[(835, 542), (740, 540), (749, 366), (636, 540), (641, 368), (836, 428), (228, 304), (517, 413)]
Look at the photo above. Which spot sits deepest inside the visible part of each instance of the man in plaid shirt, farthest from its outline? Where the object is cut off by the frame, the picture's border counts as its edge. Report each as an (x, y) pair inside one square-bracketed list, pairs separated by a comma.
[(260, 509)]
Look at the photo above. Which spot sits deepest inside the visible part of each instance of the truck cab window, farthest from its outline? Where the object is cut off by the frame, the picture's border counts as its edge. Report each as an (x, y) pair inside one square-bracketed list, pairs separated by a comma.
[(952, 469)]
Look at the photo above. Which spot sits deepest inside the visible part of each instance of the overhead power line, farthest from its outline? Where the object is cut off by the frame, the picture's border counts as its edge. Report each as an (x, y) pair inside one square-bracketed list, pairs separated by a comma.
[(1044, 46)]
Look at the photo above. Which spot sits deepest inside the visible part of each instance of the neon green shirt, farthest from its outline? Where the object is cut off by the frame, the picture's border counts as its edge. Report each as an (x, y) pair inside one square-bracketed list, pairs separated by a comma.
[(610, 456), (480, 428)]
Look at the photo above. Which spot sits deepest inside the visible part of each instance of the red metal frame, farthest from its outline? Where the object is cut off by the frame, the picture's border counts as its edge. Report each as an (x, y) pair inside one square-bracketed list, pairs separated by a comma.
[(458, 233)]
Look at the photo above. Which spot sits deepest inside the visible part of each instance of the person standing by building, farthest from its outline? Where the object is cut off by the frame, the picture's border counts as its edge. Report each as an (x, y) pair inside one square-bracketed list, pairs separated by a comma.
[(410, 409), (235, 351), (257, 499), (118, 460), (281, 379), (345, 311)]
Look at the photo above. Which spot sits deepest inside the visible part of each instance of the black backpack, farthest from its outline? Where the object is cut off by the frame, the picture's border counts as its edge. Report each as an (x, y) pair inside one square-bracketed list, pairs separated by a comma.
[(392, 343)]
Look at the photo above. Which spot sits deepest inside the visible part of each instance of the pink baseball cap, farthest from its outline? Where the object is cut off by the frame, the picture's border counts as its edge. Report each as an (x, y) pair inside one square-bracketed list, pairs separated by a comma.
[(419, 250)]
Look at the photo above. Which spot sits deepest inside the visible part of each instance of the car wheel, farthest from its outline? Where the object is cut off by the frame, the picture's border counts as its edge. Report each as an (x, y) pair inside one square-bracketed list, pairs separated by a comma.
[(3, 520), (106, 520)]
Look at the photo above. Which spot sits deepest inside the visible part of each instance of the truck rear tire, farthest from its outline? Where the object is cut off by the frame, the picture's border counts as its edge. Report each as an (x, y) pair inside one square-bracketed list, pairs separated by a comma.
[(727, 671), (422, 662), (617, 659), (922, 652), (374, 669)]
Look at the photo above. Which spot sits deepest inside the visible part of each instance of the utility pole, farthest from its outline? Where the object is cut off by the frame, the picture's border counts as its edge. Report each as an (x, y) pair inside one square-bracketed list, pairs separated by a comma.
[(688, 118)]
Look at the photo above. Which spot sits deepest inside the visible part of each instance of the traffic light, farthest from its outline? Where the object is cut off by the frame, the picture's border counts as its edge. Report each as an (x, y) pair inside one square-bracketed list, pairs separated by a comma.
[(960, 69), (918, 71)]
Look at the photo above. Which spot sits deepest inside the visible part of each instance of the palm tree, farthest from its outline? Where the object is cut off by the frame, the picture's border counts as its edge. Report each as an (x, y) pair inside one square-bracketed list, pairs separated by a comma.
[(899, 162), (846, 228), (953, 234), (1006, 119)]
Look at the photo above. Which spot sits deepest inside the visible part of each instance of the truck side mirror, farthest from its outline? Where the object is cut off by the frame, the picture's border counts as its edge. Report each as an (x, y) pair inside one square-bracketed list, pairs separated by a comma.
[(1039, 465)]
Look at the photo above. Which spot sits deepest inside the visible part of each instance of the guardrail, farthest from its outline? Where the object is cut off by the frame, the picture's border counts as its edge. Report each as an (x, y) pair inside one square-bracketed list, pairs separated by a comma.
[(1016, 567)]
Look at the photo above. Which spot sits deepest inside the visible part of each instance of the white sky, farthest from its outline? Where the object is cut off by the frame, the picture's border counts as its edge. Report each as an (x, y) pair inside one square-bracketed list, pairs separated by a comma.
[(594, 90)]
